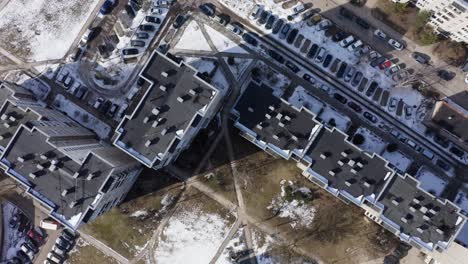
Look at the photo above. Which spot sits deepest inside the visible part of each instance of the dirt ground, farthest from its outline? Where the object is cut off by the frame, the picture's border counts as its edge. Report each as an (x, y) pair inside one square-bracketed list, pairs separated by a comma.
[(85, 254), (402, 22)]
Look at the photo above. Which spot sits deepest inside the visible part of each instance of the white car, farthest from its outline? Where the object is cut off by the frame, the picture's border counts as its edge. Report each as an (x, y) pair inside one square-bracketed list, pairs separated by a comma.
[(466, 78), (299, 8), (395, 44), (393, 104), (355, 45), (379, 33), (156, 11), (54, 257), (255, 12), (392, 70), (74, 87), (235, 29), (98, 102), (86, 36), (345, 42)]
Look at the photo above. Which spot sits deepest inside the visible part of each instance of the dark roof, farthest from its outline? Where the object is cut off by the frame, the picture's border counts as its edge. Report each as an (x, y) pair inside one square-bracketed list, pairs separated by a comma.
[(460, 99), (418, 213), (452, 118), (174, 102), (346, 167), (49, 183), (273, 120)]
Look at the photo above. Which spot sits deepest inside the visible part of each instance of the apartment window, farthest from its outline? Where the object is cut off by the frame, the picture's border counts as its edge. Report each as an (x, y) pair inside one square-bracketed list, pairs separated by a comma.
[(451, 15)]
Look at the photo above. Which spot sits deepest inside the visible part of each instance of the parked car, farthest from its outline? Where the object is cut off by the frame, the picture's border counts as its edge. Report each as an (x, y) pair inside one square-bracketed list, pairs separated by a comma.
[(60, 252), (312, 51), (163, 3), (349, 74), (222, 19), (81, 93), (250, 38), (107, 7), (130, 53), (54, 258), (26, 250), (334, 66), (122, 110), (292, 35), (363, 23), (308, 78), (408, 111), (384, 65), (98, 102), (446, 75), (30, 244), (324, 24), (112, 111), (137, 43), (255, 12), (299, 8), (207, 9), (340, 35), (292, 67), (392, 70), (89, 35), (357, 79), (421, 57), (347, 41), (340, 98), (23, 257), (154, 11), (263, 17), (341, 70), (142, 35), (276, 56), (392, 104), (327, 60), (152, 19), (355, 45), (236, 28), (346, 13), (370, 117), (36, 236), (179, 21), (146, 27), (355, 107), (443, 165), (271, 20), (277, 26), (314, 20), (14, 221), (395, 44), (377, 61), (380, 34), (284, 31), (68, 81), (320, 55), (74, 87)]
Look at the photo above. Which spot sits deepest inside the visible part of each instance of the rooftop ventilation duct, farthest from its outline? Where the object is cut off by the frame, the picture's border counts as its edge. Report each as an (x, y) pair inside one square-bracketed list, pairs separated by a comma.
[(164, 74), (163, 88), (92, 175), (67, 191)]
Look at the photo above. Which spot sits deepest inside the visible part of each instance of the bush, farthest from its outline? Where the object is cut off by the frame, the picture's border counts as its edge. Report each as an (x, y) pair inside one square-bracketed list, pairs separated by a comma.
[(427, 36), (392, 147), (358, 139), (452, 52), (400, 8)]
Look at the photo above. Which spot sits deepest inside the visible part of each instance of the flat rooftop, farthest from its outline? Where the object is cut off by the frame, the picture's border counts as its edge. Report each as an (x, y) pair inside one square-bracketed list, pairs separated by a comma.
[(418, 213), (274, 121), (346, 167), (55, 173), (175, 100), (11, 117)]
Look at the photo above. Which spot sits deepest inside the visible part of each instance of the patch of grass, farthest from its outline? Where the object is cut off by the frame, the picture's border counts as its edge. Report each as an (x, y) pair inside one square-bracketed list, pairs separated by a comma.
[(122, 232), (88, 254), (221, 181)]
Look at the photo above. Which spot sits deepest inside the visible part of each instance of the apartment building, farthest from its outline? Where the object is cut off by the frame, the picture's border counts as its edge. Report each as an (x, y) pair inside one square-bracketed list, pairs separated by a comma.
[(176, 104), (61, 165), (448, 17), (329, 159)]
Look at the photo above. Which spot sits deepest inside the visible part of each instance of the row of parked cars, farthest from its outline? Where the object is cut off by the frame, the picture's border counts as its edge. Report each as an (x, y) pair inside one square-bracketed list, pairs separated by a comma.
[(146, 30), (60, 249), (71, 85)]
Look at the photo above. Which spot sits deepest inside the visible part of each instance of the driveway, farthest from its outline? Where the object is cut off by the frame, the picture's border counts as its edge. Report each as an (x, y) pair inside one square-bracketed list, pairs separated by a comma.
[(330, 9)]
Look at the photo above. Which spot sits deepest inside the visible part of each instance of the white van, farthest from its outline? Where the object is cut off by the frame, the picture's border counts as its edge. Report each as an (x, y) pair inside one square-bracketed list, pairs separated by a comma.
[(345, 42), (355, 45), (49, 224)]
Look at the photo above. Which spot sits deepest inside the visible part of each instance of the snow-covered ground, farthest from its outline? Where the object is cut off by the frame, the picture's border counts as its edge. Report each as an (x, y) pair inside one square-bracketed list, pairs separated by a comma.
[(219, 81), (398, 159), (430, 181), (202, 64), (301, 97), (275, 80), (342, 122), (192, 38), (36, 86), (30, 28), (372, 142), (191, 236), (462, 200), (242, 7), (297, 211), (235, 248), (82, 116), (239, 67), (223, 43), (12, 238)]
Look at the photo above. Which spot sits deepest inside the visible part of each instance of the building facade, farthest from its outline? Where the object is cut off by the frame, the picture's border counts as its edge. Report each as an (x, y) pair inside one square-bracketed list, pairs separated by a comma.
[(448, 17), (61, 165)]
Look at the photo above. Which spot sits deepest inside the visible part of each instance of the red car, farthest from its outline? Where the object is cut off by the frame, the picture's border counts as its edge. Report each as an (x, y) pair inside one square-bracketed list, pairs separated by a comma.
[(386, 64), (34, 235)]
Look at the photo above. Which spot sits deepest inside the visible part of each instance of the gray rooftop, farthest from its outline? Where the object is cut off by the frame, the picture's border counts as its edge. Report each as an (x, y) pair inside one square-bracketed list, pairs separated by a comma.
[(273, 120), (346, 167), (33, 154), (173, 103), (418, 213)]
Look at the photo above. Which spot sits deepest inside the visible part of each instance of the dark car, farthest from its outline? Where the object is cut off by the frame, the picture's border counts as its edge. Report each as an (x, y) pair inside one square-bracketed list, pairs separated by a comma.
[(250, 38), (142, 35), (277, 26), (363, 23), (31, 246), (263, 17), (376, 62), (312, 51), (179, 21), (443, 165), (334, 66), (341, 70), (357, 79), (308, 78), (137, 43), (146, 27), (14, 221), (284, 31), (152, 19), (68, 235), (131, 51), (292, 35), (340, 35), (346, 13), (275, 55), (446, 75), (207, 9), (223, 19), (355, 107), (271, 20), (350, 71), (372, 87), (61, 242), (24, 258), (370, 117), (458, 152), (292, 67), (107, 7), (340, 98), (421, 57), (327, 60)]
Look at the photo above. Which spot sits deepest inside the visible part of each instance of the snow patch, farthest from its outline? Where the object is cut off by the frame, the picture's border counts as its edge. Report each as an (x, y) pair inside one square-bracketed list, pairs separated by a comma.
[(223, 43), (372, 142), (193, 39), (430, 181)]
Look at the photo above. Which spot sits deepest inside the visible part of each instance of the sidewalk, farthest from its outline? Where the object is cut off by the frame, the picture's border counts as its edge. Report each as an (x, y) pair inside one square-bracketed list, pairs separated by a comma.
[(330, 8)]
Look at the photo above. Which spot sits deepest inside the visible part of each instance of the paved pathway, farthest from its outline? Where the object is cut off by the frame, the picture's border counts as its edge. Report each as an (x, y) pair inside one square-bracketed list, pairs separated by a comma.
[(103, 248)]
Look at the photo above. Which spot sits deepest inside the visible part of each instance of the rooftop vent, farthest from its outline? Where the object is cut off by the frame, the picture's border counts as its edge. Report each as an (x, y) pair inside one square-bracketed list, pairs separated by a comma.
[(150, 142), (67, 191), (359, 164), (182, 99), (250, 109), (281, 124), (344, 154), (331, 172), (163, 88), (5, 135), (271, 107), (279, 116), (294, 138), (440, 232), (164, 131), (351, 162), (21, 159), (77, 174), (193, 92), (259, 126), (287, 118), (340, 163), (164, 74), (396, 201), (423, 209), (268, 116), (4, 117), (155, 111), (73, 204), (39, 166), (33, 175), (276, 137), (323, 155), (12, 118)]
